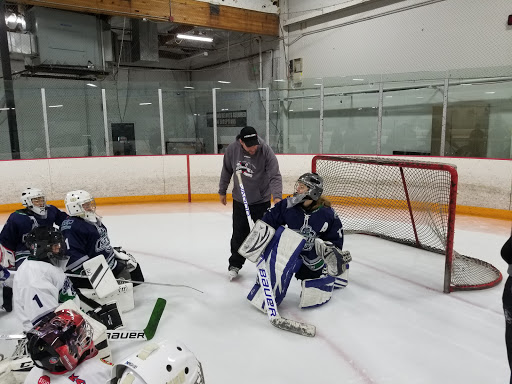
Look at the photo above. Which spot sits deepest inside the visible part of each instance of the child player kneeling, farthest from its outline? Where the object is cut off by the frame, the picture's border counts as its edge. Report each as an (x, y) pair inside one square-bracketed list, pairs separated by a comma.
[(318, 262)]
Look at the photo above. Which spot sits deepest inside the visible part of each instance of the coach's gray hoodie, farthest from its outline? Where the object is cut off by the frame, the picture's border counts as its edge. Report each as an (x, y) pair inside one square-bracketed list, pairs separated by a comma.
[(261, 176)]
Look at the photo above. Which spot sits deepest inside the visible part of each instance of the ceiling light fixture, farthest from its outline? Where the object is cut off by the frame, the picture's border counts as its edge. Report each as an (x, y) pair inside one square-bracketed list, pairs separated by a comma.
[(188, 87), (144, 103), (92, 85), (193, 37), (224, 82), (55, 106)]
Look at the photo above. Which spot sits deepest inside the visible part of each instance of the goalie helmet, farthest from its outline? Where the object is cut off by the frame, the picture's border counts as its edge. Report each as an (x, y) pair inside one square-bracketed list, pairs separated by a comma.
[(47, 244), (35, 200), (315, 188), (61, 342), (81, 203), (159, 363)]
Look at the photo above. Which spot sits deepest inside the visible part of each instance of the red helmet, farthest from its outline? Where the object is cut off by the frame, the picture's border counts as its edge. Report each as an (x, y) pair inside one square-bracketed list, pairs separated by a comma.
[(59, 343)]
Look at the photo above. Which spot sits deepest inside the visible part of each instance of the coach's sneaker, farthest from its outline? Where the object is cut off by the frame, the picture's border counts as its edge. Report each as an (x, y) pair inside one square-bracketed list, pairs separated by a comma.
[(233, 272)]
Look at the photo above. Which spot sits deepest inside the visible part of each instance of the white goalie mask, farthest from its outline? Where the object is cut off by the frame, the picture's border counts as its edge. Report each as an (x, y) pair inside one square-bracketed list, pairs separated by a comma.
[(35, 200), (81, 203), (165, 362)]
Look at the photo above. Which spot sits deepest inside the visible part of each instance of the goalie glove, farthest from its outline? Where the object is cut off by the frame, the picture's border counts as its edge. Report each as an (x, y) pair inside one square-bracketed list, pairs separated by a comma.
[(126, 259), (7, 258), (335, 259)]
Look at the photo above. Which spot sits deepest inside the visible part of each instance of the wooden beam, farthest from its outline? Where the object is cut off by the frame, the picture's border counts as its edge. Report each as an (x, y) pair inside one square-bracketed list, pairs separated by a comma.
[(156, 10), (204, 14)]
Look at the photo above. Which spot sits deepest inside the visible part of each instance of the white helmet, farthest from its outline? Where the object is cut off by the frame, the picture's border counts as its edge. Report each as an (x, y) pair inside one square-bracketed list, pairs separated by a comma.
[(164, 362), (74, 205), (33, 193)]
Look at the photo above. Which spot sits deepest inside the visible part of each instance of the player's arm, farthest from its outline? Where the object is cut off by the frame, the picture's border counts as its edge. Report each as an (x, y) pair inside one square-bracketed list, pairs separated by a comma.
[(77, 248), (227, 171), (275, 216), (40, 300), (274, 175), (59, 215)]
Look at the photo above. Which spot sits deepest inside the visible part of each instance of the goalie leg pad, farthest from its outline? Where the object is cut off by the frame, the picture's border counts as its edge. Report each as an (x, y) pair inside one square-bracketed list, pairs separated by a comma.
[(283, 259), (316, 292), (342, 280), (100, 276), (123, 296), (108, 315)]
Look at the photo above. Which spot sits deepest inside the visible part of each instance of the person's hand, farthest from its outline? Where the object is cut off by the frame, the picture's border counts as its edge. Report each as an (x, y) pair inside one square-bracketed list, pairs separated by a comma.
[(223, 199), (277, 200)]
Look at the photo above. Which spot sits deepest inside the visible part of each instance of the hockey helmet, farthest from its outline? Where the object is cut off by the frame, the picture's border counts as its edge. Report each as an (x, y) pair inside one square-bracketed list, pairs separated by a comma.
[(315, 188), (81, 203), (163, 362), (61, 342), (47, 243), (35, 200)]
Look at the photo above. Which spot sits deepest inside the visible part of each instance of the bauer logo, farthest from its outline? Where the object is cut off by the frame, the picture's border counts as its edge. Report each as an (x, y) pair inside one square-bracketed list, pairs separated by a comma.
[(125, 335), (43, 380), (267, 289)]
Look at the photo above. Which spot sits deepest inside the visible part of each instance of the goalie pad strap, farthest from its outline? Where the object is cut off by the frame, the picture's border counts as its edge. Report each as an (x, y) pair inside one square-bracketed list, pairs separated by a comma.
[(123, 296), (316, 292)]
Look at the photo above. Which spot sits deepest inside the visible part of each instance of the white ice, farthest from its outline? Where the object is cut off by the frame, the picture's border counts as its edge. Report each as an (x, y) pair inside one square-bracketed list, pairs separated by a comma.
[(392, 324)]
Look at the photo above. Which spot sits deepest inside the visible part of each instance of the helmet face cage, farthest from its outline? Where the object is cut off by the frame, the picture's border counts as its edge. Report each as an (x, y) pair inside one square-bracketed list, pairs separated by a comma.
[(75, 201), (30, 194), (315, 185), (46, 243), (61, 343)]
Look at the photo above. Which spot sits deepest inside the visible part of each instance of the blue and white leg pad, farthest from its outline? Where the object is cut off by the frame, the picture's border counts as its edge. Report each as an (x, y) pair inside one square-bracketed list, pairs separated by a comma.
[(342, 280), (316, 292), (282, 261)]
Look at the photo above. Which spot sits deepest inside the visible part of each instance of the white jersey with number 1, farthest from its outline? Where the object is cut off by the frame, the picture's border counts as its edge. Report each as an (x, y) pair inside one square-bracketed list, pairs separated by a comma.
[(93, 371), (40, 287)]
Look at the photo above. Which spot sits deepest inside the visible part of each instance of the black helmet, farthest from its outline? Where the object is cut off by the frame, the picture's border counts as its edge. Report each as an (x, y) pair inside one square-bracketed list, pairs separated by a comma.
[(314, 182), (46, 244)]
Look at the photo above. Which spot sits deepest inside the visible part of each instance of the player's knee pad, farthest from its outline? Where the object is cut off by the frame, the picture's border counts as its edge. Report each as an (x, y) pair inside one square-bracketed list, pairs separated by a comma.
[(316, 292), (342, 280), (123, 296), (282, 257)]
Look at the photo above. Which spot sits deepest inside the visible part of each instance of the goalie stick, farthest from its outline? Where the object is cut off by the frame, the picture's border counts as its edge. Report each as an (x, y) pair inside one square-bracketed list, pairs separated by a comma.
[(276, 320), (115, 335), (141, 282)]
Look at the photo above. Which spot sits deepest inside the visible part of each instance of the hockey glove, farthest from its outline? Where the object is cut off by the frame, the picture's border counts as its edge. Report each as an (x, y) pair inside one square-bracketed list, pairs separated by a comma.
[(335, 259), (128, 259)]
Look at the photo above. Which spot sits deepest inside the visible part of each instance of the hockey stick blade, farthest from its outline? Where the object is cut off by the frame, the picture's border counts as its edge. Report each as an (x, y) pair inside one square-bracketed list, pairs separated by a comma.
[(294, 326), (156, 315)]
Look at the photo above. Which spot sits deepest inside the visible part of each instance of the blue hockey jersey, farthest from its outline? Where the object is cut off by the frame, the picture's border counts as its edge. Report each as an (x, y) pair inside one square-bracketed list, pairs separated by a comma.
[(321, 222), (86, 240), (22, 222)]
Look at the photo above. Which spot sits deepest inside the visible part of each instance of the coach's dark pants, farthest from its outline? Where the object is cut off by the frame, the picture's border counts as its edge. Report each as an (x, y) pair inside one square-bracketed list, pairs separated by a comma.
[(241, 228), (507, 308)]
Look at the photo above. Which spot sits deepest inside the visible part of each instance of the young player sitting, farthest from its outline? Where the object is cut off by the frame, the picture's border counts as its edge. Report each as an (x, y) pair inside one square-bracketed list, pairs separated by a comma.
[(320, 263), (12, 247), (87, 238), (159, 363), (40, 284)]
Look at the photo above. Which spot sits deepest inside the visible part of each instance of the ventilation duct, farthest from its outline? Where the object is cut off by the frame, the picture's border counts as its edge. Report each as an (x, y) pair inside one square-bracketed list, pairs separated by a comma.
[(144, 41)]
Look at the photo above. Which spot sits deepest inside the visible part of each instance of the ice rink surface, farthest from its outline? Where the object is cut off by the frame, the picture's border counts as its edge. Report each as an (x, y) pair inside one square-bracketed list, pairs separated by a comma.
[(391, 325)]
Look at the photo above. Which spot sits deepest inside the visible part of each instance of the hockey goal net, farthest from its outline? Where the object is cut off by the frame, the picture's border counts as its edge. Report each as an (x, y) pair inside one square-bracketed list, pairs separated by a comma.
[(410, 202)]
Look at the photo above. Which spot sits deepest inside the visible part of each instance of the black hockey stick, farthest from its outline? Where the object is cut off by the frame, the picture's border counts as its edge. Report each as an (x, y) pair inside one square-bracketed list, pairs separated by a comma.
[(120, 335), (276, 320)]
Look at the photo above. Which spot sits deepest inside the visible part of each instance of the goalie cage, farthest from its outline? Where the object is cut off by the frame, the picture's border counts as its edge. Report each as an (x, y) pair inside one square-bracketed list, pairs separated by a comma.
[(410, 202)]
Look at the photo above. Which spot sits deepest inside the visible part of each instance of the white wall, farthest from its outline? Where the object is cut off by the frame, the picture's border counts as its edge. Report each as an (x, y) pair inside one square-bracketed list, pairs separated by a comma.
[(482, 183), (449, 34)]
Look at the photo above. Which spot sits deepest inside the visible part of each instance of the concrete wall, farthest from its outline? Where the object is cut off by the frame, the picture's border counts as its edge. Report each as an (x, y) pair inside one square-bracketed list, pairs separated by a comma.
[(482, 183)]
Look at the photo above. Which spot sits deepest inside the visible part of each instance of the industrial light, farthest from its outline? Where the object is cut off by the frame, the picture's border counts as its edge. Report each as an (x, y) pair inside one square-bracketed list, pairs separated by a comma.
[(224, 82), (55, 106), (144, 103), (194, 37), (91, 85), (188, 87), (358, 79)]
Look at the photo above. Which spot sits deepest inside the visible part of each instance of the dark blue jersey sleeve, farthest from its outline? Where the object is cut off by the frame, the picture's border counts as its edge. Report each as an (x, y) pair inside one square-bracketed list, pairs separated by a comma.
[(56, 215), (334, 231), (11, 234), (275, 216)]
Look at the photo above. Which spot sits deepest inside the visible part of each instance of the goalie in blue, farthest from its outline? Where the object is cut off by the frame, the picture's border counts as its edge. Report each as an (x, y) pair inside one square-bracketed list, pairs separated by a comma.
[(320, 264)]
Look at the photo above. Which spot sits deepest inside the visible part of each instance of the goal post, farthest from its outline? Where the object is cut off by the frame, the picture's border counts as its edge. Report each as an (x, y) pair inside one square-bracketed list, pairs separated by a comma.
[(406, 201)]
